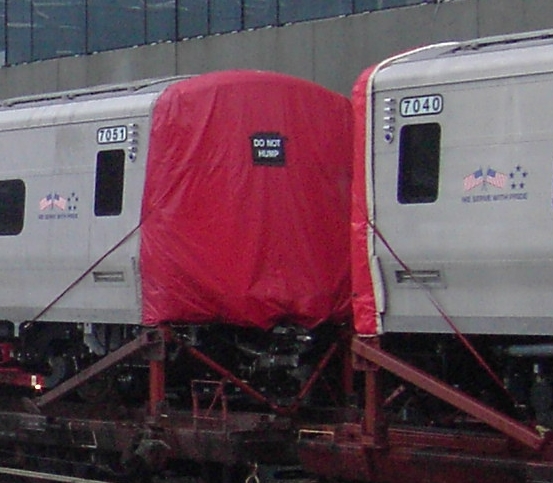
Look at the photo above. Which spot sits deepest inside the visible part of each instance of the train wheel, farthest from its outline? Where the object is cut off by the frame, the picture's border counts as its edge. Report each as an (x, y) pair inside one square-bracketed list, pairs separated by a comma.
[(58, 368)]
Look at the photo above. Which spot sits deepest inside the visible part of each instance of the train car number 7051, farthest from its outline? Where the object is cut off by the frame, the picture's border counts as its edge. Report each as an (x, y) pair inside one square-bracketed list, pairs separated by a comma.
[(113, 134)]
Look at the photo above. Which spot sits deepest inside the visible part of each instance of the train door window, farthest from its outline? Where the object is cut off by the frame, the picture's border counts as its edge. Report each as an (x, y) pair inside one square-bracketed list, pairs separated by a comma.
[(12, 206), (108, 194), (419, 163)]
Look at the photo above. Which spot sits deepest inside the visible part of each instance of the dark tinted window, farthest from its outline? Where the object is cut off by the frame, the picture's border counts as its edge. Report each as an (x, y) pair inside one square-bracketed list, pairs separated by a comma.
[(192, 18), (2, 32), (161, 20), (258, 13), (419, 163), (299, 10), (364, 5), (59, 29), (225, 16), (112, 25), (40, 29), (19, 20), (110, 170), (12, 206)]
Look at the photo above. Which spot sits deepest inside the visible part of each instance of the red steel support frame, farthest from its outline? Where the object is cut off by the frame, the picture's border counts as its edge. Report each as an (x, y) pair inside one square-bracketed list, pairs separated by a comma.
[(372, 451), (226, 374), (156, 356), (150, 342), (368, 349), (157, 387)]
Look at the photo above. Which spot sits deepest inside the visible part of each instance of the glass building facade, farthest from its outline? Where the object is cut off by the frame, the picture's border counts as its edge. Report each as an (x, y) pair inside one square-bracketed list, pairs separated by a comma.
[(44, 29)]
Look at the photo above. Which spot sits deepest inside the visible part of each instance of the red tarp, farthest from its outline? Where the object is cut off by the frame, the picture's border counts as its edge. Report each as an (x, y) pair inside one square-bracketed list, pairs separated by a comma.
[(364, 304), (247, 202)]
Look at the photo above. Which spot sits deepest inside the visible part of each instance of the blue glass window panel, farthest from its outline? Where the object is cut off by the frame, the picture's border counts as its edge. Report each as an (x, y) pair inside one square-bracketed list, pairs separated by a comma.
[(19, 31), (225, 16), (115, 24), (367, 5), (2, 32), (259, 13), (299, 10), (161, 20), (59, 29), (192, 18)]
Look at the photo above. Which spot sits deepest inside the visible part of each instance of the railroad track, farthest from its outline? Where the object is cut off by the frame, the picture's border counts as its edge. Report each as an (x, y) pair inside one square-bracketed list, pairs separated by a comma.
[(11, 475), (8, 474)]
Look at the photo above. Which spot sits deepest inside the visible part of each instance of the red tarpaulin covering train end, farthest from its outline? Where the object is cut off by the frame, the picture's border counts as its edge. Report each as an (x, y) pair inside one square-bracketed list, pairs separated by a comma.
[(247, 202), (366, 317)]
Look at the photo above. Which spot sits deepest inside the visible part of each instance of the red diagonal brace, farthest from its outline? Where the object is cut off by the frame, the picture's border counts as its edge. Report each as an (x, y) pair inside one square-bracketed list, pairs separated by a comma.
[(515, 430), (146, 340), (235, 380)]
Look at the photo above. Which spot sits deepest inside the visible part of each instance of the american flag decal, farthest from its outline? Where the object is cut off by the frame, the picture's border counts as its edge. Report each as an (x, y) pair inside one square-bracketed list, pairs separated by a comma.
[(491, 177), (473, 180), (496, 178), (60, 202), (52, 200), (45, 202)]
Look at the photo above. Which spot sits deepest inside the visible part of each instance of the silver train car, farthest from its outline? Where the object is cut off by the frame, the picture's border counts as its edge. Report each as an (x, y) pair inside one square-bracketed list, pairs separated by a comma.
[(190, 202), (452, 222)]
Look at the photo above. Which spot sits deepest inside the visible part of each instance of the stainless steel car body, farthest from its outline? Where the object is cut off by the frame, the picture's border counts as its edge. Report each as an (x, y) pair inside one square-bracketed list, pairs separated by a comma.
[(481, 247)]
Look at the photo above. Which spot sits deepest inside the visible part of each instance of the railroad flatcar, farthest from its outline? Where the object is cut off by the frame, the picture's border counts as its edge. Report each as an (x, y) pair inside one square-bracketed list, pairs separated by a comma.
[(215, 204)]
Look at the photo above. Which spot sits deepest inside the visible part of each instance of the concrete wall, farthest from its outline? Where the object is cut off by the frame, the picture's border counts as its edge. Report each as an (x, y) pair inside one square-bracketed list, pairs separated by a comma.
[(332, 51)]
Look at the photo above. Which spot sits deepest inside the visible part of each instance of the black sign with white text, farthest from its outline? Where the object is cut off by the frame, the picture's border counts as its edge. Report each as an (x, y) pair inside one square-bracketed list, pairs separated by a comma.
[(268, 149)]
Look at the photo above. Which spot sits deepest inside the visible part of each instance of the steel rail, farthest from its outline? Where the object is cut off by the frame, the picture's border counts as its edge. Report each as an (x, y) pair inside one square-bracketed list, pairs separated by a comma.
[(45, 476)]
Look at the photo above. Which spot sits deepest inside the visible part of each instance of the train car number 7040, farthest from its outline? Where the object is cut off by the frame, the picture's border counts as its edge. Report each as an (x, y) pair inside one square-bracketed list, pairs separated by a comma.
[(421, 105)]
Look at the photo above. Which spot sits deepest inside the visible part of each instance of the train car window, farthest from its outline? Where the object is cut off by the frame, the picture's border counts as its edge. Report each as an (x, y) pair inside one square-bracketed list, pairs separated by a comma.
[(12, 206), (108, 194), (419, 163)]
